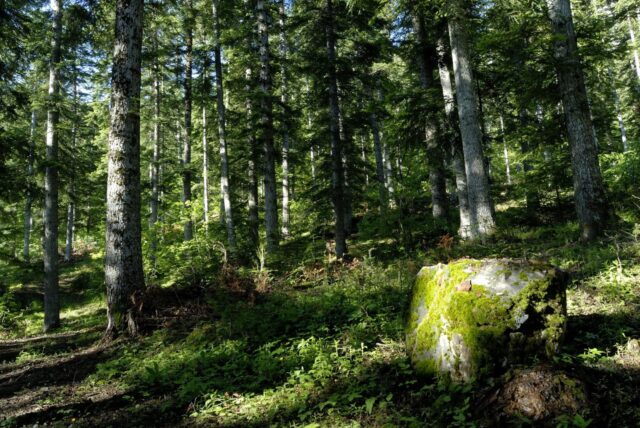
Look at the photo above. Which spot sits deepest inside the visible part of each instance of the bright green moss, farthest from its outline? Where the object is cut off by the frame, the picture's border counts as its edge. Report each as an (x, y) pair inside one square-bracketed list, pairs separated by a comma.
[(463, 332)]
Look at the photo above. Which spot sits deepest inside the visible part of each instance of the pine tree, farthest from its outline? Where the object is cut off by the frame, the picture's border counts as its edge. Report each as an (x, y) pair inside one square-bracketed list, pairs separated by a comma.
[(51, 298), (123, 261), (590, 198), (480, 204)]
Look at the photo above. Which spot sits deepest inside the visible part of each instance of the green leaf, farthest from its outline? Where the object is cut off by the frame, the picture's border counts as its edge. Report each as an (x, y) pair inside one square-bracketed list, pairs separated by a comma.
[(369, 404)]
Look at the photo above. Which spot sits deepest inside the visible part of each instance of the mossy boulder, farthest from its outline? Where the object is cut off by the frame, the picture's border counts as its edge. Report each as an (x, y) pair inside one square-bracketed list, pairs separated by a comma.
[(470, 318)]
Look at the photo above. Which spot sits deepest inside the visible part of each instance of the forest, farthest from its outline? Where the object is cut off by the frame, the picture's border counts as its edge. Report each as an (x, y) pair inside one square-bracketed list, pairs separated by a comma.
[(320, 213)]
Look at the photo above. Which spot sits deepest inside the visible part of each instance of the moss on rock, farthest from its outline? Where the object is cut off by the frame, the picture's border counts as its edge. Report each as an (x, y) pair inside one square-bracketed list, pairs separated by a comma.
[(471, 317)]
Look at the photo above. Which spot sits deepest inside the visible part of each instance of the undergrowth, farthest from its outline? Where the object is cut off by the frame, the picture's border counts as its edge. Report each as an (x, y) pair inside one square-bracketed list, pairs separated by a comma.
[(322, 343)]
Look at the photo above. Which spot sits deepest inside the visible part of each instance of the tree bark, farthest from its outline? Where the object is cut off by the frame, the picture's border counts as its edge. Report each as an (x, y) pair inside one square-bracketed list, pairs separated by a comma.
[(345, 139), (123, 265), (377, 148), (634, 48), (388, 171), (455, 142), (28, 217), (482, 218), (337, 181), (286, 194), (254, 221), (188, 102), (505, 150), (205, 163), (51, 299), (621, 125), (590, 198), (71, 205), (312, 150), (71, 214), (225, 185), (363, 157), (266, 131), (531, 196), (155, 161), (437, 179)]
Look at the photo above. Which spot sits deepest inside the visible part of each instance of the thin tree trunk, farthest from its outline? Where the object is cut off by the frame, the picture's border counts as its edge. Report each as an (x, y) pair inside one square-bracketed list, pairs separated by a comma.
[(621, 125), (590, 198), (437, 181), (51, 299), (285, 126), (155, 162), (336, 144), (377, 147), (71, 206), (124, 276), (634, 48), (28, 218), (225, 186), (205, 142), (531, 195), (388, 170), (482, 219), (457, 155), (71, 214), (188, 101), (266, 131), (312, 150), (254, 221), (507, 163), (348, 207), (363, 158), (386, 158), (205, 167)]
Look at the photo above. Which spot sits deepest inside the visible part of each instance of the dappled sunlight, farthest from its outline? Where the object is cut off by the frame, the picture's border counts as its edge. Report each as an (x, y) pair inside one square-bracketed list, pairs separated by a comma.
[(319, 213)]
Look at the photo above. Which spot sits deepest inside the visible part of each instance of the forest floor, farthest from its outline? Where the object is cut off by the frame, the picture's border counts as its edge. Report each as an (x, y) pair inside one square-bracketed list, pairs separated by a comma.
[(320, 346)]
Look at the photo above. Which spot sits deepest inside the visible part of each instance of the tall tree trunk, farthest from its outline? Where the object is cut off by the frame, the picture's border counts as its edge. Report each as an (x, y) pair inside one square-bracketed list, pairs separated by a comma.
[(336, 144), (531, 195), (155, 161), (505, 150), (455, 143), (286, 194), (621, 125), (312, 150), (590, 198), (363, 157), (28, 218), (388, 171), (386, 157), (266, 131), (377, 148), (254, 221), (71, 215), (481, 210), (124, 276), (188, 101), (205, 167), (205, 142), (345, 139), (252, 172), (225, 186), (51, 299), (71, 205), (312, 156), (437, 178), (634, 48)]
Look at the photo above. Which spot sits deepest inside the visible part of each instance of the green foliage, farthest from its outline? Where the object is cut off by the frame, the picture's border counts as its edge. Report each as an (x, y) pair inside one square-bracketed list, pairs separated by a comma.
[(8, 307)]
